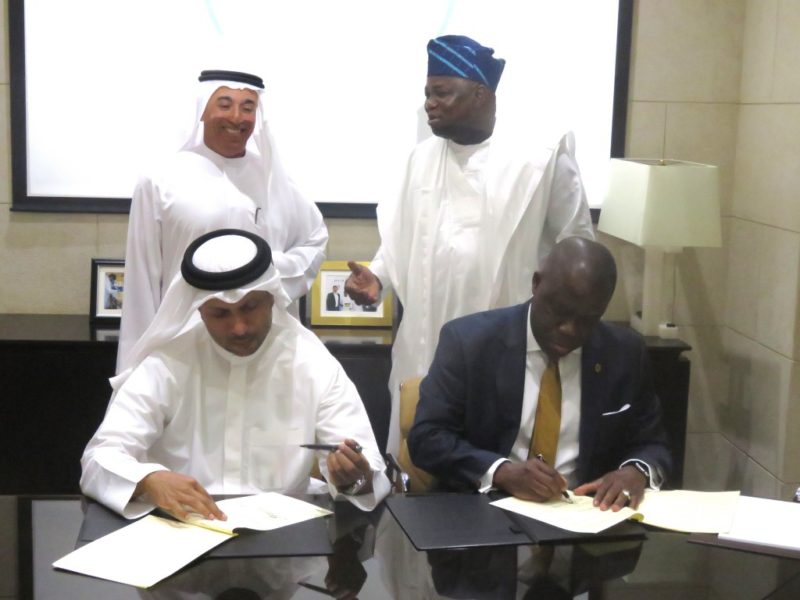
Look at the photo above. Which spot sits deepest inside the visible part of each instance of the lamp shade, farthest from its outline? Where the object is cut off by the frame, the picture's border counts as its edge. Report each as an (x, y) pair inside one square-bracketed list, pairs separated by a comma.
[(665, 203)]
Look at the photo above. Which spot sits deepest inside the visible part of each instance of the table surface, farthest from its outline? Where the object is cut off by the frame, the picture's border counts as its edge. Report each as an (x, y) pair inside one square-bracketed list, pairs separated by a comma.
[(375, 560)]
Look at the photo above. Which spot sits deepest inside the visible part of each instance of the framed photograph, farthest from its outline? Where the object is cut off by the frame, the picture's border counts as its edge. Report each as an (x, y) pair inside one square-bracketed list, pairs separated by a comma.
[(330, 305), (108, 290)]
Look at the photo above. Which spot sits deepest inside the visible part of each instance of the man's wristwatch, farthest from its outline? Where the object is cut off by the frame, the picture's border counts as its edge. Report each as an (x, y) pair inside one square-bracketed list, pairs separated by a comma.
[(355, 487)]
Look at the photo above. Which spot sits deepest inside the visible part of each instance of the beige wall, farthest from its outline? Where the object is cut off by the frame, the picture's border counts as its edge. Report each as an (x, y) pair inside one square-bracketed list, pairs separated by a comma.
[(716, 81), (712, 81)]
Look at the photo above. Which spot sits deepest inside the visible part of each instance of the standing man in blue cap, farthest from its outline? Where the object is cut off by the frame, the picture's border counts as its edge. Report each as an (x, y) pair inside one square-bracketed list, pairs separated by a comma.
[(476, 214)]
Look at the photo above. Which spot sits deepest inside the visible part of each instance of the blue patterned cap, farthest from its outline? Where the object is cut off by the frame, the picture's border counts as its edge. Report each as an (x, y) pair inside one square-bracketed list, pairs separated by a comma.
[(460, 56)]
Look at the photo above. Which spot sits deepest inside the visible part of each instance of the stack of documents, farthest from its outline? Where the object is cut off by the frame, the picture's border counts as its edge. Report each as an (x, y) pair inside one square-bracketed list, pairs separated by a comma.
[(150, 549), (679, 510), (764, 522)]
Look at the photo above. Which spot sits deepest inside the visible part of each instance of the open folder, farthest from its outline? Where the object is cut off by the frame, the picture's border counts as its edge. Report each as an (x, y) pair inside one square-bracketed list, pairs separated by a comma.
[(148, 550)]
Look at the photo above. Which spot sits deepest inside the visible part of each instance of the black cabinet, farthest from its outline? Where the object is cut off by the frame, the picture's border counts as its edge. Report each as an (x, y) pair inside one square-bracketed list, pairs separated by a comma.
[(54, 389), (671, 381), (53, 392)]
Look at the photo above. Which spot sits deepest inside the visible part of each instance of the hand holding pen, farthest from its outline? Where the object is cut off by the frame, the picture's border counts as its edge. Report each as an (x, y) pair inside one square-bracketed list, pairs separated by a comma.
[(532, 480), (348, 468), (564, 493)]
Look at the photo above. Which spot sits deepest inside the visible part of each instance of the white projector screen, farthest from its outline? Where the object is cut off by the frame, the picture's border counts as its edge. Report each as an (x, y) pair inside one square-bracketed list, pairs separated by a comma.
[(108, 85)]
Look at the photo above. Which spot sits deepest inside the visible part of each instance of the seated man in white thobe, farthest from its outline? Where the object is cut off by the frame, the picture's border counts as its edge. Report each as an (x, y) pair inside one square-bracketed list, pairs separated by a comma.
[(227, 174), (224, 387), (479, 208)]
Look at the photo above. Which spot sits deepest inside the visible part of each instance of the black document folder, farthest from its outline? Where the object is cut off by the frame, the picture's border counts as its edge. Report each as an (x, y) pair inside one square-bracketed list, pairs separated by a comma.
[(307, 538), (440, 521)]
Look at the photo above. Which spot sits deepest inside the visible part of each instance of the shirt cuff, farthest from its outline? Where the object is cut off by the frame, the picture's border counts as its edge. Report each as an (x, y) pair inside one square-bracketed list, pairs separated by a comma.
[(486, 481), (654, 478)]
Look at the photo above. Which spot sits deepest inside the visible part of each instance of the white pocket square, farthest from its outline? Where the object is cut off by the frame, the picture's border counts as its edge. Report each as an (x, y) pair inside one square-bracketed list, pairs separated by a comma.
[(616, 412)]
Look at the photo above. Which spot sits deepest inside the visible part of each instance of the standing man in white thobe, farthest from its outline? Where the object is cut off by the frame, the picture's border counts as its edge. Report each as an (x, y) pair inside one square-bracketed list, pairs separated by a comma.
[(477, 212), (223, 388), (228, 174)]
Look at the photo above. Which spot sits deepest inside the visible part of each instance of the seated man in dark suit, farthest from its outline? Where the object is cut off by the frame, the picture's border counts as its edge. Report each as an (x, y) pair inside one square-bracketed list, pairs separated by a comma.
[(542, 396)]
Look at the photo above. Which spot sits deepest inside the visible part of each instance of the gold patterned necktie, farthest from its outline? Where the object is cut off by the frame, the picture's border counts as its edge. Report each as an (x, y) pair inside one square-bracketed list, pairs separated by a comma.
[(547, 424)]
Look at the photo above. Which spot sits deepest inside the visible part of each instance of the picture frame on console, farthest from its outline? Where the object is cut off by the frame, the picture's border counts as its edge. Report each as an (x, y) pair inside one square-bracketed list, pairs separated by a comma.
[(330, 305), (107, 291)]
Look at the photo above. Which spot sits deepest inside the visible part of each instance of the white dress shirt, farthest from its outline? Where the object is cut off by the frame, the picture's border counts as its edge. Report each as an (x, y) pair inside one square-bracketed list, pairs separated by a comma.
[(569, 368)]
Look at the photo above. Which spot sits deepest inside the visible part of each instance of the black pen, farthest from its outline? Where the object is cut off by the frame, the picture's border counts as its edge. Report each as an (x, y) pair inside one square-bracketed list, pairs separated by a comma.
[(564, 493), (329, 447)]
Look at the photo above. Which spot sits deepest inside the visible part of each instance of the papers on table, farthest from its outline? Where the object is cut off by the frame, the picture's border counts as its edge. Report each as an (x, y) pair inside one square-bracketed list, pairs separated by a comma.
[(688, 511), (150, 549), (142, 553), (679, 510), (261, 512), (580, 515), (766, 522)]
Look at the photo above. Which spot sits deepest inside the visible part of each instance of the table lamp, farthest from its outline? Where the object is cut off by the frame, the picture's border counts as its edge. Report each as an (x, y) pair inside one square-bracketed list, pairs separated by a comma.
[(662, 206)]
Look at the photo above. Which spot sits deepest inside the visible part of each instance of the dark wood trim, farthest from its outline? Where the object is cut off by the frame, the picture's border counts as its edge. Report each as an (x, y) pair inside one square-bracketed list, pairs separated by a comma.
[(343, 210), (19, 145), (619, 120)]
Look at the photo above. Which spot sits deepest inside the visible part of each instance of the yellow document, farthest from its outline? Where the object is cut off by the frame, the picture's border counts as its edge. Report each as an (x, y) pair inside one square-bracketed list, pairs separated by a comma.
[(688, 511), (580, 515), (260, 512), (142, 553), (150, 549), (679, 510)]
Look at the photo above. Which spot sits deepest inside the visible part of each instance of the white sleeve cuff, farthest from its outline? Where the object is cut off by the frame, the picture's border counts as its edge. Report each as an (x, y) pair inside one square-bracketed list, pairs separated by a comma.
[(486, 481), (654, 478)]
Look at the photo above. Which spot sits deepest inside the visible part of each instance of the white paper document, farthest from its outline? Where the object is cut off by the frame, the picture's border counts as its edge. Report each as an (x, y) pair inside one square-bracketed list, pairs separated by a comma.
[(142, 553), (765, 522), (148, 550)]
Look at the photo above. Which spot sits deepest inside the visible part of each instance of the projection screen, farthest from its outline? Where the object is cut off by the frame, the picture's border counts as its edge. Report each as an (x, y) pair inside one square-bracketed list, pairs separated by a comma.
[(102, 89)]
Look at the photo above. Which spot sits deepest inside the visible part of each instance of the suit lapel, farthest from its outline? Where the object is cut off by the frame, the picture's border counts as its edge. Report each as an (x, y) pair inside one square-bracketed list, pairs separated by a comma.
[(510, 374), (594, 396)]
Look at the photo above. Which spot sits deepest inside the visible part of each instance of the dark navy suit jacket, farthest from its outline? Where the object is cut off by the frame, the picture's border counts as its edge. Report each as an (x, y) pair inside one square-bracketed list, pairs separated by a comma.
[(471, 400)]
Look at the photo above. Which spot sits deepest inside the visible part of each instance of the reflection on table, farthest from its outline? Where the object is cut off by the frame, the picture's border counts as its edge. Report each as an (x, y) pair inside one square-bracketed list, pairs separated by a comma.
[(373, 559)]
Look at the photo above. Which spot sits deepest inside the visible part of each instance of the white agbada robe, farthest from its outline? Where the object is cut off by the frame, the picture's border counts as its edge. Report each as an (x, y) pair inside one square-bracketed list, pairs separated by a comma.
[(197, 191), (466, 234), (233, 423)]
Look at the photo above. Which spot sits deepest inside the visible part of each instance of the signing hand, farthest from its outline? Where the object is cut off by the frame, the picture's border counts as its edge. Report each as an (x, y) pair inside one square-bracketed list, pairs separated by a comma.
[(347, 465), (179, 495), (609, 490), (362, 285), (532, 480)]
